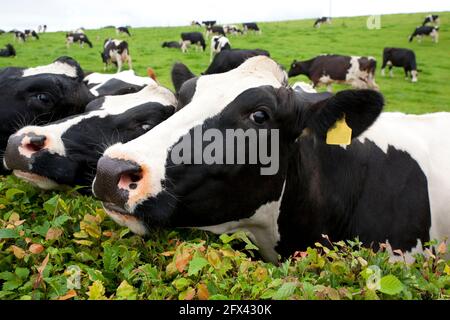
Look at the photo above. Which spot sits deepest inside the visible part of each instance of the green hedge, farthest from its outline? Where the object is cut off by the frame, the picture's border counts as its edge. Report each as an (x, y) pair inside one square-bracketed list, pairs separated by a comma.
[(62, 246)]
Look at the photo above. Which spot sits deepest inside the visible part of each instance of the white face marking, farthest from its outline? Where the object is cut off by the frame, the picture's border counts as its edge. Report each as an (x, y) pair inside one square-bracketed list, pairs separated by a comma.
[(304, 86), (54, 68), (131, 222), (41, 182), (126, 76), (261, 228), (210, 98), (414, 75), (422, 137)]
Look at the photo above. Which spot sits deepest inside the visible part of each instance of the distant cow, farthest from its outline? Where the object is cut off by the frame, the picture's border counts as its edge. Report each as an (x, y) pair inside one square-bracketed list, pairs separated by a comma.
[(251, 26), (31, 34), (232, 29), (8, 51), (219, 43), (432, 18), (125, 30), (116, 52), (420, 32), (40, 95), (359, 72), (81, 38), (171, 44), (19, 36), (217, 30), (209, 23), (101, 84), (192, 38), (400, 57), (196, 23), (319, 21), (66, 152)]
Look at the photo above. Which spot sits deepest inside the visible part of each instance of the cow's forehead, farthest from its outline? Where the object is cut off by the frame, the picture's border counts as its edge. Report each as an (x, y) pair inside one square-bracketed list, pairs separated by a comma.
[(56, 67)]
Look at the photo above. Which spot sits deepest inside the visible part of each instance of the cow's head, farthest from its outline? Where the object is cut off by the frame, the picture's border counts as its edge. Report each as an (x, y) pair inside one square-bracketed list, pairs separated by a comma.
[(297, 68), (143, 184), (40, 95), (66, 152)]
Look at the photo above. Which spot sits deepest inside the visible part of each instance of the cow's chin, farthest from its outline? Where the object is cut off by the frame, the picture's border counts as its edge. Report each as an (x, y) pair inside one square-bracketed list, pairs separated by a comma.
[(37, 180), (125, 219)]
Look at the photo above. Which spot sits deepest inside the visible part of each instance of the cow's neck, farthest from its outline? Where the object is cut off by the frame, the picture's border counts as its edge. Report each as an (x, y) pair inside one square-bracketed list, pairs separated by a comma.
[(317, 199)]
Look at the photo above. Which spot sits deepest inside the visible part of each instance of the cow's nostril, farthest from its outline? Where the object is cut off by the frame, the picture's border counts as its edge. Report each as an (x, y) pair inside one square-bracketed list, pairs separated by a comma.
[(130, 178), (36, 143)]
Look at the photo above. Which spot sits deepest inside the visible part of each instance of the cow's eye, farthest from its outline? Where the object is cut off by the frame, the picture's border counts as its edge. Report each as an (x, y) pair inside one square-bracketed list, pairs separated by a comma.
[(259, 116), (43, 97)]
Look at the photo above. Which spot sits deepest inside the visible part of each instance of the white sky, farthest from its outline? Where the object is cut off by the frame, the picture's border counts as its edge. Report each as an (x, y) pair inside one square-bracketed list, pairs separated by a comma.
[(68, 15)]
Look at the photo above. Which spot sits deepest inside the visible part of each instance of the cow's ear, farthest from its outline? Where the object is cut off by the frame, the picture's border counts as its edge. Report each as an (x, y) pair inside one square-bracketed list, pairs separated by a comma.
[(343, 116)]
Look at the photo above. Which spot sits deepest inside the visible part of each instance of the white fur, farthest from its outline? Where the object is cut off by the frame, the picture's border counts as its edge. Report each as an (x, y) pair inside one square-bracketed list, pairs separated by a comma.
[(424, 137), (54, 68)]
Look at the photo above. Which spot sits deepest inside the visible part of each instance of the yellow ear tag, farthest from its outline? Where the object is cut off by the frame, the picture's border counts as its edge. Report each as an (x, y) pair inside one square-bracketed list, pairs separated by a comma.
[(340, 133)]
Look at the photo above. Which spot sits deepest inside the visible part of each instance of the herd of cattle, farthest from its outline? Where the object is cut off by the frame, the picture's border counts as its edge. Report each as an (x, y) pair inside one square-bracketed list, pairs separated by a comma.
[(115, 134)]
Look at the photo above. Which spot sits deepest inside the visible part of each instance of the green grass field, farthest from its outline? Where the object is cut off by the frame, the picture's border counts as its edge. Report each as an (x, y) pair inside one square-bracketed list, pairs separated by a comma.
[(285, 41), (61, 245)]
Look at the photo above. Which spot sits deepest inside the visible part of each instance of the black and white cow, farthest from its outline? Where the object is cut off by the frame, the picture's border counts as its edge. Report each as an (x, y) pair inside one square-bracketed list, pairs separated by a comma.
[(232, 29), (227, 60), (81, 38), (359, 72), (400, 57), (214, 30), (420, 32), (432, 18), (381, 187), (66, 152), (192, 38), (19, 36), (40, 95), (101, 84), (116, 52), (31, 34), (209, 23), (251, 26), (171, 44), (125, 30), (195, 23), (8, 51), (219, 43), (319, 21)]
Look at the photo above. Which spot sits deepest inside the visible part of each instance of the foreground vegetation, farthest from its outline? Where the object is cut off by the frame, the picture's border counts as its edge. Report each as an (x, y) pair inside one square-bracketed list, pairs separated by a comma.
[(63, 246)]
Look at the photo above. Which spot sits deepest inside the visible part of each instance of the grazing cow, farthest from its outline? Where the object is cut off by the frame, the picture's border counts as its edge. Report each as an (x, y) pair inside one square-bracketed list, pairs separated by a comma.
[(79, 30), (8, 51), (219, 43), (124, 82), (40, 95), (19, 36), (123, 30), (328, 69), (217, 30), (81, 38), (227, 60), (251, 26), (420, 32), (116, 52), (192, 38), (171, 44), (400, 57), (232, 29), (209, 23), (44, 29), (381, 187), (432, 18), (319, 21), (31, 34), (66, 152)]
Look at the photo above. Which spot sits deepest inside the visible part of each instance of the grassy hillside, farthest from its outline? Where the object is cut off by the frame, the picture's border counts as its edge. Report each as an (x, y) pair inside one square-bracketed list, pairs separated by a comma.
[(61, 245), (285, 41)]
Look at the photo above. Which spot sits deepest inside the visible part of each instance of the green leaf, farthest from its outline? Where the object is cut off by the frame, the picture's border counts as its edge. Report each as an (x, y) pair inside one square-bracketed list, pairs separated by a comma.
[(285, 291), (10, 194), (12, 284), (96, 291), (22, 273), (196, 265), (9, 234), (110, 257), (218, 297), (6, 275), (125, 291), (181, 283), (390, 285), (51, 204), (60, 220)]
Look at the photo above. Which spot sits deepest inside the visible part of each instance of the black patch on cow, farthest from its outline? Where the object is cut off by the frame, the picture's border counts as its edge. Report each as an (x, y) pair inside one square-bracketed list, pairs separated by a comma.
[(180, 74), (115, 87), (95, 104), (227, 60), (186, 93)]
